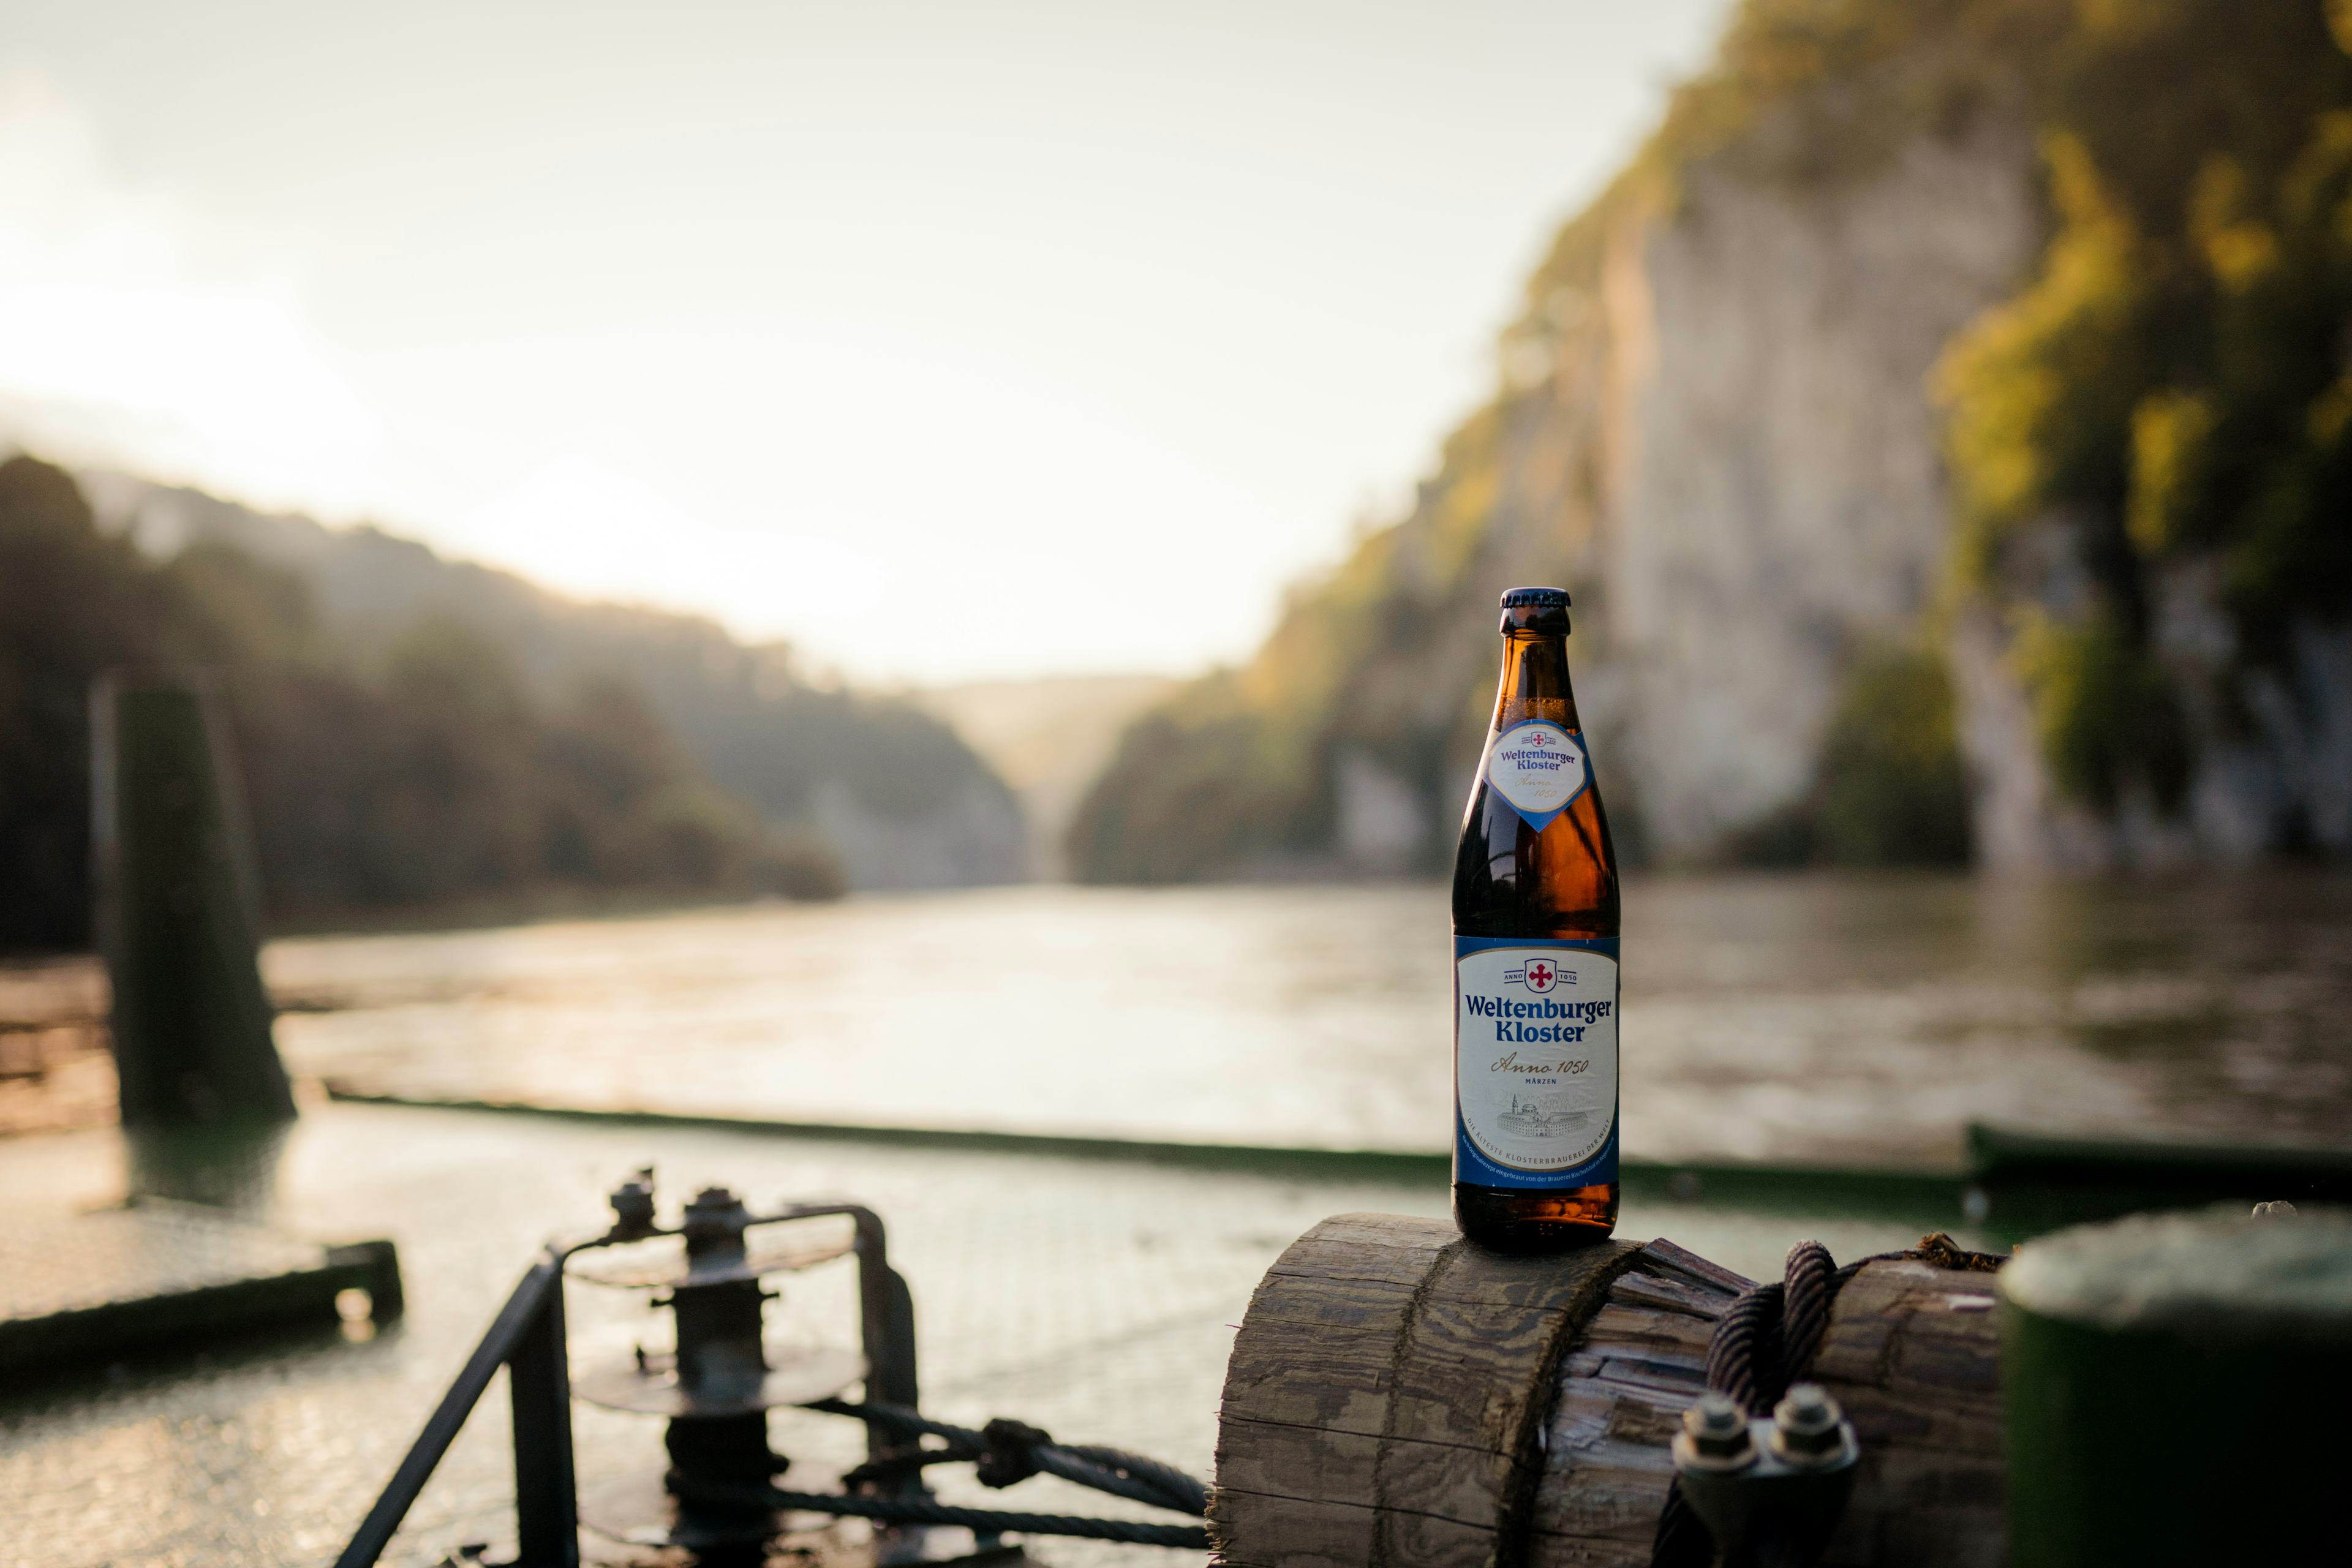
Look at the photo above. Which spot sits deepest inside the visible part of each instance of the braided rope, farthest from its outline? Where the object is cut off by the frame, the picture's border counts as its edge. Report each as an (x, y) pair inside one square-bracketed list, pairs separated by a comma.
[(1746, 1342), (1808, 1285), (1767, 1340)]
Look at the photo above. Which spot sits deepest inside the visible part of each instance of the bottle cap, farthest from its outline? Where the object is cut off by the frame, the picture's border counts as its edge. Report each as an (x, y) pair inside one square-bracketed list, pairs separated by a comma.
[(1539, 610)]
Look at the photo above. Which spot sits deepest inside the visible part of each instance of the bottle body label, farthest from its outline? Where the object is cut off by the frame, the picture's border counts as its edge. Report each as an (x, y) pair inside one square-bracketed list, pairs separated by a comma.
[(1539, 768), (1535, 1062)]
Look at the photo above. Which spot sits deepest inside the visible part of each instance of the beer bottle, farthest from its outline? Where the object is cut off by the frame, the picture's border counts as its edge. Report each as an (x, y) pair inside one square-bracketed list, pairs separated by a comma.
[(1535, 963)]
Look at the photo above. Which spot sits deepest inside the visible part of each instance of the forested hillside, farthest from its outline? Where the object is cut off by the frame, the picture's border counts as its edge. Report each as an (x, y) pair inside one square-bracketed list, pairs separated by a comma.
[(885, 788), (1943, 426), (466, 743)]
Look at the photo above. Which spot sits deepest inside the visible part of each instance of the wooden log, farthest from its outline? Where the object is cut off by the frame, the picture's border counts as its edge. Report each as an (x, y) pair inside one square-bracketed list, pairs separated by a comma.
[(1386, 1395), (1619, 1396), (1397, 1397)]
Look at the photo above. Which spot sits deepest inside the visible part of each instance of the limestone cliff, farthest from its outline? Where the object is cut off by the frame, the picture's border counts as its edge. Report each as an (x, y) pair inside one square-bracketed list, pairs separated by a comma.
[(1775, 499), (1724, 423)]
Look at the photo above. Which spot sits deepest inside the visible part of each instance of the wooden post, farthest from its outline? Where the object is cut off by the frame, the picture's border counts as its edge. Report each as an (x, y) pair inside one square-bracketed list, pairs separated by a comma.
[(2180, 1391), (1399, 1398), (191, 1021)]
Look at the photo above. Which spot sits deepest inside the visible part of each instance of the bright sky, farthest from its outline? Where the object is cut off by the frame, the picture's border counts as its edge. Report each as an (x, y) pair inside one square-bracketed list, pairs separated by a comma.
[(1084, 326)]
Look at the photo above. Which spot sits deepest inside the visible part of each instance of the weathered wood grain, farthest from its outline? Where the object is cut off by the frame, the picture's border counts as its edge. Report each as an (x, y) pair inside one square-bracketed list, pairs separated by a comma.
[(1907, 1353), (1641, 1360), (1387, 1393), (1397, 1397), (1917, 1367)]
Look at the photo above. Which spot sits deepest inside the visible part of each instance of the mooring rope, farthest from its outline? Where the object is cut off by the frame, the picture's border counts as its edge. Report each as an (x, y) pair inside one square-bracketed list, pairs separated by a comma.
[(1765, 1341)]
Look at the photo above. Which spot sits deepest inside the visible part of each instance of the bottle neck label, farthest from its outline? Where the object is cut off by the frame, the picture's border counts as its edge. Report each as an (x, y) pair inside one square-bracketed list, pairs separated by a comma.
[(1535, 1062), (1539, 768)]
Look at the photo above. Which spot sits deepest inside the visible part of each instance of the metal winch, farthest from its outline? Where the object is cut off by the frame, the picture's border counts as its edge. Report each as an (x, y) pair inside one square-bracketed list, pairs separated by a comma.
[(717, 1387), (718, 1497)]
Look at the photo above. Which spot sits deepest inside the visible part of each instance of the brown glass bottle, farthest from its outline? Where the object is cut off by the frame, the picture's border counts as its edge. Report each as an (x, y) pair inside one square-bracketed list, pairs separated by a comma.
[(1535, 939)]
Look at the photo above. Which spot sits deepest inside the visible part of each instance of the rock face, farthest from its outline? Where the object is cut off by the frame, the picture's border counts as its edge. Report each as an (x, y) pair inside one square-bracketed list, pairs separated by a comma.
[(1719, 427), (1773, 498), (2273, 746), (1716, 429), (974, 837)]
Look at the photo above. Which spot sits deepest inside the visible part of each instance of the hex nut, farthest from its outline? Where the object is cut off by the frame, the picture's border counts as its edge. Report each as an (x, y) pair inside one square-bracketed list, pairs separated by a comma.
[(1805, 1424), (1717, 1428)]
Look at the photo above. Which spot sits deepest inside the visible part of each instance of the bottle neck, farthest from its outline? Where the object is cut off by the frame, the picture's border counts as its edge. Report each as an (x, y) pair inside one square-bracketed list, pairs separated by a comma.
[(1535, 681)]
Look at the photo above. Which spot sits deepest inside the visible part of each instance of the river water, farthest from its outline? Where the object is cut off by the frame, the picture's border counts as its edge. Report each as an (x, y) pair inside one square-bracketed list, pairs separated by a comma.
[(1804, 1017), (1793, 1017)]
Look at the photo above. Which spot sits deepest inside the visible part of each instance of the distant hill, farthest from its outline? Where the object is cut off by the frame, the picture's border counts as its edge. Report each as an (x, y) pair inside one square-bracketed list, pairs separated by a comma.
[(1048, 739), (900, 800)]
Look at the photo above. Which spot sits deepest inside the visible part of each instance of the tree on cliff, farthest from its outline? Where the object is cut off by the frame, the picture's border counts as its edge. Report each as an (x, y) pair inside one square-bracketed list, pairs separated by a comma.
[(2173, 387)]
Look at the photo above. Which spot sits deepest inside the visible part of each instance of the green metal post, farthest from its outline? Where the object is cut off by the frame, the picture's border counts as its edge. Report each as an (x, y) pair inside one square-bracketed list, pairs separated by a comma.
[(175, 899), (2178, 1391)]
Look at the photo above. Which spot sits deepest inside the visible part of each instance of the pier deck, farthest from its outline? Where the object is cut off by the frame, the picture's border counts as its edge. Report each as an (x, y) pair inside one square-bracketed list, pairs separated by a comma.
[(1094, 1298), (95, 1288)]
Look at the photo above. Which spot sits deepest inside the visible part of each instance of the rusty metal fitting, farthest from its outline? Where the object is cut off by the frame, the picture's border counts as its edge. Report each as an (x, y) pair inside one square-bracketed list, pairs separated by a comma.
[(1715, 1435), (1808, 1427)]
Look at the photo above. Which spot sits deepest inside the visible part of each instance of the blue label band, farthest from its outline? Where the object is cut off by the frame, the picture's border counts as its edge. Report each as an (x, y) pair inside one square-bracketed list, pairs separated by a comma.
[(1538, 1068)]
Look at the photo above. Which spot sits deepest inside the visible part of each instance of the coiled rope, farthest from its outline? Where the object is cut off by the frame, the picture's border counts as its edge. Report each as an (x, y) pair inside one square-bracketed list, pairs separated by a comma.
[(1766, 1341)]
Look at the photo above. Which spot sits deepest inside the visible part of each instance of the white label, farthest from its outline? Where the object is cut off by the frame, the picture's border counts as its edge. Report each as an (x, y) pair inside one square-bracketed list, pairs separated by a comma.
[(1538, 767), (1534, 1052)]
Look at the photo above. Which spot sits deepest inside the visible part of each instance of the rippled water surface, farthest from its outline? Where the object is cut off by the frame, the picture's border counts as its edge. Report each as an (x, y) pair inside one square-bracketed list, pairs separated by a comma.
[(1787, 1018), (1806, 1018)]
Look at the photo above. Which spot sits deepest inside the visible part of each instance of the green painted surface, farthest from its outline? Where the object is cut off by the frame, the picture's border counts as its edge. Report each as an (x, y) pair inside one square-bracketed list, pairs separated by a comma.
[(2017, 1185), (1862, 1193), (2177, 1389)]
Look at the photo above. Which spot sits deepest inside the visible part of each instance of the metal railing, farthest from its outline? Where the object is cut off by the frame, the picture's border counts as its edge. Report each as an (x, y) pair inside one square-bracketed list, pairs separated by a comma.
[(527, 1338)]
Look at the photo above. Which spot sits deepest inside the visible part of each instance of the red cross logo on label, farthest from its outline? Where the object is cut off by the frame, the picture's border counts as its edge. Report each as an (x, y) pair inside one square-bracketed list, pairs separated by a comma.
[(1540, 975)]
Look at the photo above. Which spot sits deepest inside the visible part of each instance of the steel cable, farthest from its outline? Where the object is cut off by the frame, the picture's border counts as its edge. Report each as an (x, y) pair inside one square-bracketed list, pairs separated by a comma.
[(917, 1509), (1105, 1470), (1767, 1340)]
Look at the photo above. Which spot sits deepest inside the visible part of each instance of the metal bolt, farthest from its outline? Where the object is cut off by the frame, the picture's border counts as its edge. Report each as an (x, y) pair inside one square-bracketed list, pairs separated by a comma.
[(1805, 1424), (632, 1203), (716, 1218), (1715, 1428)]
